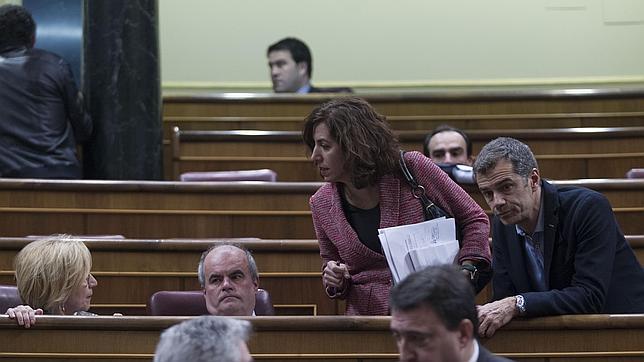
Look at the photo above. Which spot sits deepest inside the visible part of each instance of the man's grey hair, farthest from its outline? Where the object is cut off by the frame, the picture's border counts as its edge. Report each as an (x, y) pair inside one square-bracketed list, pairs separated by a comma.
[(252, 266), (206, 338), (506, 148)]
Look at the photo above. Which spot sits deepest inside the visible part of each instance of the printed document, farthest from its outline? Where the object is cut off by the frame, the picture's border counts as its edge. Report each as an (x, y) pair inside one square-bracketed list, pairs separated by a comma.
[(409, 248)]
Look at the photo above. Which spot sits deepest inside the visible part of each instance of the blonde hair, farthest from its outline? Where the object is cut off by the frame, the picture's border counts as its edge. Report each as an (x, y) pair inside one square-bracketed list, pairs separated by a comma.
[(49, 269)]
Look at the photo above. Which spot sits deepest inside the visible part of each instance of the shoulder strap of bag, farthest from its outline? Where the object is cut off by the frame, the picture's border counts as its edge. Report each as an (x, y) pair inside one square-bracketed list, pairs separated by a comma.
[(418, 191)]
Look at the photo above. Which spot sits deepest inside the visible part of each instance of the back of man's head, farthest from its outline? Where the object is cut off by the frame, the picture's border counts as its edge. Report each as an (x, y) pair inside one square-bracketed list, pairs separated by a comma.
[(298, 49), (442, 288), (207, 338), (17, 27)]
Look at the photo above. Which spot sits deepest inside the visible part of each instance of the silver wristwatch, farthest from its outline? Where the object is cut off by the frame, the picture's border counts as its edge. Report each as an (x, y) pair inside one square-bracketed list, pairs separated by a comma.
[(520, 304)]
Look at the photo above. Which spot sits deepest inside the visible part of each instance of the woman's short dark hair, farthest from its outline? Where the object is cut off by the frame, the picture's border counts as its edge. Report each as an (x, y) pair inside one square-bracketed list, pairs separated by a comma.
[(17, 27), (370, 148)]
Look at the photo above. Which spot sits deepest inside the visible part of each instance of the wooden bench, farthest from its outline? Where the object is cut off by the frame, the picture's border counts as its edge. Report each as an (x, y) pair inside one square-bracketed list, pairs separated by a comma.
[(129, 271), (157, 209), (478, 108), (424, 123), (563, 153), (560, 338), (493, 102), (421, 124)]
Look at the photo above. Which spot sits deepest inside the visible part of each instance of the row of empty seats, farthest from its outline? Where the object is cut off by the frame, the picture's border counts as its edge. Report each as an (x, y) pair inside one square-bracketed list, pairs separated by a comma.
[(562, 153)]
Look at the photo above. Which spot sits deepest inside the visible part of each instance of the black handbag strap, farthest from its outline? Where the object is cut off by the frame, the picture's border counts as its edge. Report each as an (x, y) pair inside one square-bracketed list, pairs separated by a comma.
[(430, 209)]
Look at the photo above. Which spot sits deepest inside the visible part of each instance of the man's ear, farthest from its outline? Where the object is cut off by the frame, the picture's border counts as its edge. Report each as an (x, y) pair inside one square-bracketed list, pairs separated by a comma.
[(465, 332), (302, 69), (534, 179)]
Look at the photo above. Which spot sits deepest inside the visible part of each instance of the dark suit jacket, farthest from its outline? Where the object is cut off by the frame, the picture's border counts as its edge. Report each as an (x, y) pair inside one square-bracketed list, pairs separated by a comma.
[(487, 356), (330, 90), (588, 264), (41, 116)]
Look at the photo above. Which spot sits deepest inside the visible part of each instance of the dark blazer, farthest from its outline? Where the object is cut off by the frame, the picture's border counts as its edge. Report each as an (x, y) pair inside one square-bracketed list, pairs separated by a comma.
[(588, 264), (487, 356), (41, 116), (330, 90)]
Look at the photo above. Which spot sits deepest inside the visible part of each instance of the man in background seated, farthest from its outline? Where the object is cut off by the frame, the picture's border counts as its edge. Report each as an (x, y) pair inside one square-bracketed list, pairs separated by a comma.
[(555, 250), (451, 149), (228, 275), (41, 110), (206, 338), (433, 318), (448, 145), (291, 66)]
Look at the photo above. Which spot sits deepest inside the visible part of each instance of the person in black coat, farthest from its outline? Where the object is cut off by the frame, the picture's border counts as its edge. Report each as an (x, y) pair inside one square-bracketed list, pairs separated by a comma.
[(42, 115), (555, 250)]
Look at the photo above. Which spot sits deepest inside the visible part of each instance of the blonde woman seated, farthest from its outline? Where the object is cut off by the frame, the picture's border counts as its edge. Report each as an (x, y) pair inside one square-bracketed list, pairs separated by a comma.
[(53, 277)]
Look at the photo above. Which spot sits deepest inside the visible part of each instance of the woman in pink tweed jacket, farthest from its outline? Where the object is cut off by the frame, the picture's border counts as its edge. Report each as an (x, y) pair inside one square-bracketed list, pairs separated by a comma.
[(357, 154)]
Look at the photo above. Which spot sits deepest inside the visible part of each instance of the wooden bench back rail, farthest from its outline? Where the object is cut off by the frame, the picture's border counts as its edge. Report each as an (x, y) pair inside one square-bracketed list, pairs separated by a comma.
[(129, 271), (301, 169), (577, 152), (607, 337), (249, 135), (419, 122), (207, 210)]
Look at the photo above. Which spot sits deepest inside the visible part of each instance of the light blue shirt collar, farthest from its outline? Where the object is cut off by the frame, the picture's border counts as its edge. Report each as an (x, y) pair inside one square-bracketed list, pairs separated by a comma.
[(539, 227), (304, 89)]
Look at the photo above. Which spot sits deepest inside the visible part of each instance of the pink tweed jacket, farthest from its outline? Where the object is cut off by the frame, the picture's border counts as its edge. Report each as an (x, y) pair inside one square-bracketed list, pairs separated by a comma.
[(368, 290)]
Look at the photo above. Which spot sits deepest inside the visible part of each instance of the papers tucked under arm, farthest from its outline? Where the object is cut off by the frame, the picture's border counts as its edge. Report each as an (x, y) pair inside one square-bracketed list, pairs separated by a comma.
[(412, 247)]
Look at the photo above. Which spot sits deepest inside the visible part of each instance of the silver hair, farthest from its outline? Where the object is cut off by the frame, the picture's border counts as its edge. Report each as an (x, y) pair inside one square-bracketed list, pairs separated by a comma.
[(506, 148), (206, 338), (252, 266)]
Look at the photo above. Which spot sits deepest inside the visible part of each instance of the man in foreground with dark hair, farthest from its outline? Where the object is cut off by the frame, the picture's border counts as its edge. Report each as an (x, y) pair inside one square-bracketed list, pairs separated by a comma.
[(291, 66), (434, 318), (42, 115), (556, 250)]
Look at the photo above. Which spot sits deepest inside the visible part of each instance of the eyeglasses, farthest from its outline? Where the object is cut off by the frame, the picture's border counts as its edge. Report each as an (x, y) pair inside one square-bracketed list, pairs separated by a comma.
[(414, 339)]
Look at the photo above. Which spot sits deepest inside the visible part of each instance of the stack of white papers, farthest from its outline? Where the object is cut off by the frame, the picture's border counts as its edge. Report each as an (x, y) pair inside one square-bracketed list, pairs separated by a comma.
[(413, 247)]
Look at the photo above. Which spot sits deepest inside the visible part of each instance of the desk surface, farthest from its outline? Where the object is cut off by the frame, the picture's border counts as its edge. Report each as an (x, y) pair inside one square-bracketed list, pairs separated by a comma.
[(614, 337)]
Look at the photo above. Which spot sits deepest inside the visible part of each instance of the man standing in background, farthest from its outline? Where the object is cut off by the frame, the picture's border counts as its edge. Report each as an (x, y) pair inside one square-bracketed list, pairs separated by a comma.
[(42, 115)]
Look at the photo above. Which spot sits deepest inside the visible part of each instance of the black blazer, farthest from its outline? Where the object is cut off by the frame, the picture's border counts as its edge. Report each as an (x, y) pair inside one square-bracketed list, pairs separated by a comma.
[(487, 356), (588, 264), (330, 90)]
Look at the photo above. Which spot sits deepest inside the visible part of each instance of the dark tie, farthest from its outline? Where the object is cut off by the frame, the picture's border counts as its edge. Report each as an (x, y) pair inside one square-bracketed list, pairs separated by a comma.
[(535, 263)]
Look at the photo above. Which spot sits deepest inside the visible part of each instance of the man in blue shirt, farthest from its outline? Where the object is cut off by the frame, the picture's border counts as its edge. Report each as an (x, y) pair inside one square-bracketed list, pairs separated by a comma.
[(555, 250), (291, 65)]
